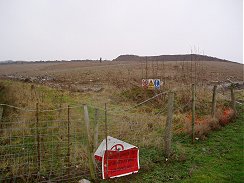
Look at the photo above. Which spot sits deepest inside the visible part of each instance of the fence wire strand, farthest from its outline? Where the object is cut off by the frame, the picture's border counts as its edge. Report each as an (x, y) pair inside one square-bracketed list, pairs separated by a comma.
[(62, 152)]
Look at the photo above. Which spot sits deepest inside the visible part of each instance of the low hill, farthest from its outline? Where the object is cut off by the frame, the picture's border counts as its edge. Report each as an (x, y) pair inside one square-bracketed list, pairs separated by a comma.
[(185, 57)]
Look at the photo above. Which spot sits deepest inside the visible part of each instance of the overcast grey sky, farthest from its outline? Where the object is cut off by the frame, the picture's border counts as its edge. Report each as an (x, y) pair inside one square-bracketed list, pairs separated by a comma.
[(89, 29)]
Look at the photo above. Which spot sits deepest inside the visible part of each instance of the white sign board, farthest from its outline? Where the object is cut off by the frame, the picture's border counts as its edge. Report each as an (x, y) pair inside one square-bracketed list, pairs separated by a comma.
[(119, 159), (113, 144)]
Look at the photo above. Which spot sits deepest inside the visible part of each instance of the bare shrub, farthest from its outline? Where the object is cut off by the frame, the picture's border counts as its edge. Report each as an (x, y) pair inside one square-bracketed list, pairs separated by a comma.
[(226, 117), (202, 125)]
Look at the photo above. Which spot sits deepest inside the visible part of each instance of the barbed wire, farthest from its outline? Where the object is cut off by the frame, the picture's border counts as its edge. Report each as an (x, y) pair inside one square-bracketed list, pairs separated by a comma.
[(44, 110), (145, 101), (19, 108), (64, 140), (111, 110), (77, 106), (228, 98)]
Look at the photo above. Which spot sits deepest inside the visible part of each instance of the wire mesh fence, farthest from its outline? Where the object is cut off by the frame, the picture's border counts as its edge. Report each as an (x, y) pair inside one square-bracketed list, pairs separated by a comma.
[(52, 145), (43, 145)]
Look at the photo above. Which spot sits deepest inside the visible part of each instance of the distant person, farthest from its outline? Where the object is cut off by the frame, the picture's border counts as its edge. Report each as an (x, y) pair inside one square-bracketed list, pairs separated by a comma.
[(100, 60)]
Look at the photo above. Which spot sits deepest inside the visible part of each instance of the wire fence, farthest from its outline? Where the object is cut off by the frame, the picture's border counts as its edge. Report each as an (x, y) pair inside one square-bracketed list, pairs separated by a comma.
[(42, 145), (50, 145)]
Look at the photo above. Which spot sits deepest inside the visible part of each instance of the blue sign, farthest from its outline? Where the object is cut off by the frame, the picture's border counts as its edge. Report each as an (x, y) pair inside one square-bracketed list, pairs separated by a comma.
[(157, 83)]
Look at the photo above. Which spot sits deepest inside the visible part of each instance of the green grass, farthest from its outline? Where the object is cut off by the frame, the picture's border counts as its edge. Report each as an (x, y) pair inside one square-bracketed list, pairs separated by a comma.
[(222, 160), (219, 158), (53, 143)]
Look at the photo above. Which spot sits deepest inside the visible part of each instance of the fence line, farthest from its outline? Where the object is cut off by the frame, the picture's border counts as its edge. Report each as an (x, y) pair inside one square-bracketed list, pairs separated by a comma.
[(57, 146), (39, 146), (45, 110), (19, 108), (145, 101), (100, 108), (77, 106)]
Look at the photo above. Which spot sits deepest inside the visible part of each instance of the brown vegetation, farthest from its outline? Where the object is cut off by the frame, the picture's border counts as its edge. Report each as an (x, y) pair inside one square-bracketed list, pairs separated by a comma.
[(119, 85)]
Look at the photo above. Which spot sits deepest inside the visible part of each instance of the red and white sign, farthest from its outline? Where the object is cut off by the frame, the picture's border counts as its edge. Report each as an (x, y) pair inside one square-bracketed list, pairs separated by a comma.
[(113, 144), (120, 163), (119, 160), (144, 83)]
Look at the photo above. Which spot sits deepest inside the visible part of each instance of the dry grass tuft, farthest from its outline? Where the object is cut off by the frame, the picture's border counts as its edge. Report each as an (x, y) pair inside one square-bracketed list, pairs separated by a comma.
[(226, 117)]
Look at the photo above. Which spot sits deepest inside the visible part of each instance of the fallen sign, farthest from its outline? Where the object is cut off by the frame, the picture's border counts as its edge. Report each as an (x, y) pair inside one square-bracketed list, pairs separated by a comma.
[(119, 159)]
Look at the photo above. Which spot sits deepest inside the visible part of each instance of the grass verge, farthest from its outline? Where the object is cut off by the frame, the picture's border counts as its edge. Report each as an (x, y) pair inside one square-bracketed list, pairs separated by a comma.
[(219, 158)]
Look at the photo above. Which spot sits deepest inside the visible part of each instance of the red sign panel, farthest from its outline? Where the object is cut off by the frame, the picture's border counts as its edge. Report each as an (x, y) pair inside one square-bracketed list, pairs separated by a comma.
[(145, 83), (120, 163)]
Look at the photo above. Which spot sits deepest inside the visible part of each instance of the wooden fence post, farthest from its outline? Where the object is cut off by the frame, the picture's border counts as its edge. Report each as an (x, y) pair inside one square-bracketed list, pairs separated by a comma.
[(38, 138), (89, 147), (68, 133), (95, 144), (146, 68), (1, 116), (233, 100), (193, 110), (168, 127), (106, 137), (214, 102), (1, 113)]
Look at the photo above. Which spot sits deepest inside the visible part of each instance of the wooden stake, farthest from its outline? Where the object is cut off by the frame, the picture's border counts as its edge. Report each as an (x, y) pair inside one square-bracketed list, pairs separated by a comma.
[(1, 113), (233, 100), (89, 149), (168, 127), (1, 116), (214, 102), (106, 138), (193, 110), (195, 69), (191, 68), (146, 69), (95, 144), (68, 132), (163, 73), (38, 139)]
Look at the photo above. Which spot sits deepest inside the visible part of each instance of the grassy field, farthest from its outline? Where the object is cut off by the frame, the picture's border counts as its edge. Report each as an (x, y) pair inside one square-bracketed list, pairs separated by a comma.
[(20, 144), (57, 85), (219, 158)]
